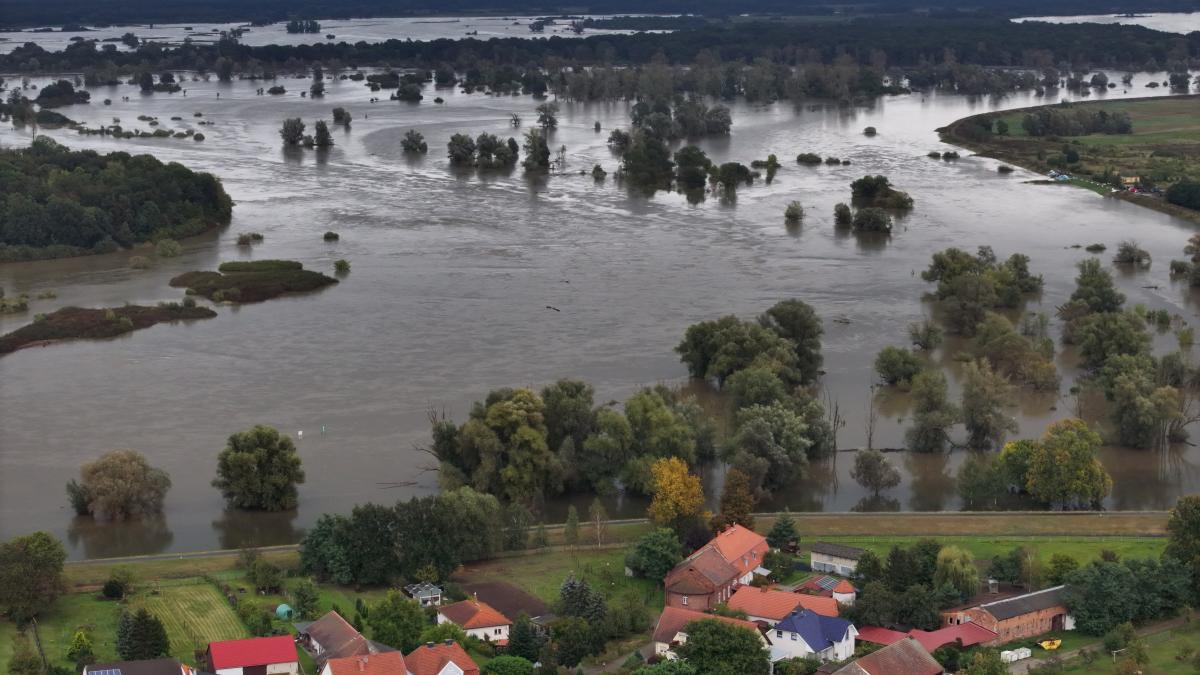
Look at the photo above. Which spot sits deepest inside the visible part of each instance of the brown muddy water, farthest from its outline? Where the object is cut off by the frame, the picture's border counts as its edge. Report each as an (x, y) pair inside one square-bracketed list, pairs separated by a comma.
[(452, 275)]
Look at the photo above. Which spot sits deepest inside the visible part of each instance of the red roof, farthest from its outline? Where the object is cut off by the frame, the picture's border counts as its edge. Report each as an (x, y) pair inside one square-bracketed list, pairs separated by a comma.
[(474, 614), (844, 587), (673, 620), (906, 656), (968, 634), (764, 602), (388, 663), (880, 636), (737, 542), (252, 652), (429, 659)]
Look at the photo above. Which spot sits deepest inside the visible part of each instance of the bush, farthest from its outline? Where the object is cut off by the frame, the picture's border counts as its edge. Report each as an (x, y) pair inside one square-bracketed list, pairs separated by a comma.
[(331, 236), (934, 155), (138, 262), (950, 154), (808, 158), (869, 131), (842, 216), (113, 589), (168, 248), (794, 212), (872, 220), (341, 266), (198, 137), (897, 366), (1129, 253)]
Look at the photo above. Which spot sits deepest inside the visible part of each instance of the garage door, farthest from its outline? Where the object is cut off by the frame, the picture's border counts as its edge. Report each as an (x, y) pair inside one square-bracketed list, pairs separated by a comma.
[(254, 670)]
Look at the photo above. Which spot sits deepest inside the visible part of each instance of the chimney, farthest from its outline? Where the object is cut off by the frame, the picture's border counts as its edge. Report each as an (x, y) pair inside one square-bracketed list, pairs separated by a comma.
[(362, 663), (449, 642), (429, 644)]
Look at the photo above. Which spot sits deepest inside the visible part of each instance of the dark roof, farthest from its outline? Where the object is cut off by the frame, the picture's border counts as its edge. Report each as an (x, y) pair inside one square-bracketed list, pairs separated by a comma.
[(422, 589), (906, 656), (702, 572), (1026, 604), (144, 667), (337, 637), (837, 550), (675, 619), (818, 631)]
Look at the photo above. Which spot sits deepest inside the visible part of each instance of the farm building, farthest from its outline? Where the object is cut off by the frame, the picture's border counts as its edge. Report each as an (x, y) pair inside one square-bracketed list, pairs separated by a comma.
[(906, 656), (143, 667), (425, 593), (440, 658), (709, 576), (389, 663), (770, 606), (255, 656), (804, 634), (669, 631), (835, 558), (332, 637), (478, 619), (964, 635), (1023, 616), (842, 591)]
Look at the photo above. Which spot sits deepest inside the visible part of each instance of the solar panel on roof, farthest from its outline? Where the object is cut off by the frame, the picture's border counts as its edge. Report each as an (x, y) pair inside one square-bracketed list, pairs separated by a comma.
[(106, 671), (827, 583)]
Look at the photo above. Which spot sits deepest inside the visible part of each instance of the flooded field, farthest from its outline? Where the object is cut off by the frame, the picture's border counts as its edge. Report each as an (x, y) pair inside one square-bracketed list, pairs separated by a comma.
[(344, 30), (452, 275), (1168, 22)]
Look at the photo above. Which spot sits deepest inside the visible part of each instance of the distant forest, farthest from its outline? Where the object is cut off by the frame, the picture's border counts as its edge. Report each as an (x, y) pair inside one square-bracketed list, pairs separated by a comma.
[(59, 12), (891, 42)]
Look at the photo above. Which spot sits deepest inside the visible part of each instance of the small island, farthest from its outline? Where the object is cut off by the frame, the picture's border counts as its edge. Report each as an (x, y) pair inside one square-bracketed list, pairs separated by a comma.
[(78, 323), (252, 281)]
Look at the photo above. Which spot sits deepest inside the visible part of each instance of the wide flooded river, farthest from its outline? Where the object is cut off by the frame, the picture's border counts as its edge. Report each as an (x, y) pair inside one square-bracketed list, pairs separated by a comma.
[(452, 275)]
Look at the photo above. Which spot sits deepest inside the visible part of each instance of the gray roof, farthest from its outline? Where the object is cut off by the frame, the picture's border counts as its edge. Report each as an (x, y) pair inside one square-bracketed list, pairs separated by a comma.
[(143, 667), (838, 550), (423, 589), (1026, 604)]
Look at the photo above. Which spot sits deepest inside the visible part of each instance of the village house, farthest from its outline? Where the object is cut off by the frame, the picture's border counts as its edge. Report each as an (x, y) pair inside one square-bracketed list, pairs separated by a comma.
[(669, 632), (388, 663), (709, 576), (836, 558), (906, 656), (440, 658), (254, 656), (141, 667), (842, 591), (804, 633), (332, 637), (477, 619), (425, 593), (769, 607), (1019, 617)]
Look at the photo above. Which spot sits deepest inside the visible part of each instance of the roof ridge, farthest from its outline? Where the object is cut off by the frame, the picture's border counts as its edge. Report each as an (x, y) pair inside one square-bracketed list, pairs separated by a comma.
[(1023, 595)]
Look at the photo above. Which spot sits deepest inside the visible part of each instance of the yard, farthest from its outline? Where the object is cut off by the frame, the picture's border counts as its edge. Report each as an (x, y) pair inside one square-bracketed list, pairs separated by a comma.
[(1083, 549)]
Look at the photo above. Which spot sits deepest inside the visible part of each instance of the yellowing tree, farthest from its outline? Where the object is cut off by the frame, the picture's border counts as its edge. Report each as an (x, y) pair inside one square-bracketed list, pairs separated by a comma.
[(677, 492)]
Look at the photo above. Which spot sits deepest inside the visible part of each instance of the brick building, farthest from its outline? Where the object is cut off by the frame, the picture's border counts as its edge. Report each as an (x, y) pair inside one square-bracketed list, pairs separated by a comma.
[(709, 576), (1023, 616)]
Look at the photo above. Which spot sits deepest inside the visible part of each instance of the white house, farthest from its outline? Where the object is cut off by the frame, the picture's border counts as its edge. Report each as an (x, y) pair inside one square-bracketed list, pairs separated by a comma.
[(670, 631), (477, 619), (440, 658), (256, 656), (425, 593), (805, 633), (835, 558)]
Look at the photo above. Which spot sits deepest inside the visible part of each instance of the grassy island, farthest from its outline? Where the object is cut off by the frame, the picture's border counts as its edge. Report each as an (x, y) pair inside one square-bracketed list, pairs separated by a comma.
[(252, 281), (77, 323), (1139, 147), (65, 202)]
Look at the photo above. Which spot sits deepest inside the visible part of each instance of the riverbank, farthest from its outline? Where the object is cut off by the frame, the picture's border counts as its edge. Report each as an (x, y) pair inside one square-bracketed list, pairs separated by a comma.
[(1164, 144)]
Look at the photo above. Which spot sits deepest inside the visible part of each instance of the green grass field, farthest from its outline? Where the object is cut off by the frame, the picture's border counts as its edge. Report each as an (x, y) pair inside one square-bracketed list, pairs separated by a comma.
[(1164, 649), (1160, 120), (1083, 549), (193, 615)]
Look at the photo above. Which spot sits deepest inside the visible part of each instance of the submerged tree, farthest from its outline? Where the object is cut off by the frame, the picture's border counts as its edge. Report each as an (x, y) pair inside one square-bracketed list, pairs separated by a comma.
[(119, 485), (259, 469), (292, 131), (873, 471)]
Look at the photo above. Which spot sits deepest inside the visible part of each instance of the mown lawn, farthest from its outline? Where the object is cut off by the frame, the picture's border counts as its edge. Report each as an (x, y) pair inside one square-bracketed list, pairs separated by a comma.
[(194, 615), (1164, 649), (1083, 549), (542, 574)]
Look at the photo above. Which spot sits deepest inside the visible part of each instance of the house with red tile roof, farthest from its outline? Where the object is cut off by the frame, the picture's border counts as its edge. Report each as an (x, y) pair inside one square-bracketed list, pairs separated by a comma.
[(670, 631), (770, 606), (388, 663), (477, 619), (964, 635), (830, 587), (255, 656), (709, 576), (440, 658), (1018, 617), (332, 637), (906, 656)]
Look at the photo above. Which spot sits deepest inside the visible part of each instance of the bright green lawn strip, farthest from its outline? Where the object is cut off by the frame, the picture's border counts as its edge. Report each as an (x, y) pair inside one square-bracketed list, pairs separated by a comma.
[(1080, 548)]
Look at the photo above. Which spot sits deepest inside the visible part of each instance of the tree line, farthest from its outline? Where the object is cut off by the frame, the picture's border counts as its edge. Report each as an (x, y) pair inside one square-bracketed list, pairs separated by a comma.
[(60, 202)]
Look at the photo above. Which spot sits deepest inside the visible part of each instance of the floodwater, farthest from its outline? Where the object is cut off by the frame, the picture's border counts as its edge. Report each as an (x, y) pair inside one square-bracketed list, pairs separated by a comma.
[(1167, 22), (350, 31), (453, 274)]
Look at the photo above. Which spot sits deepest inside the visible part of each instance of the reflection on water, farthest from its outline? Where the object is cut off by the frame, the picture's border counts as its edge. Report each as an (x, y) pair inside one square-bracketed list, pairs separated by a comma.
[(452, 272)]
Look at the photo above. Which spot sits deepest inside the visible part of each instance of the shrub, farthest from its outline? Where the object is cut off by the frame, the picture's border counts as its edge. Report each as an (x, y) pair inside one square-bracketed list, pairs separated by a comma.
[(1129, 253), (331, 236), (872, 219), (598, 171), (113, 589), (794, 212), (896, 366), (869, 131), (341, 266), (934, 154), (198, 137), (1004, 168), (1095, 248), (168, 248), (808, 158), (950, 154), (138, 262), (842, 217)]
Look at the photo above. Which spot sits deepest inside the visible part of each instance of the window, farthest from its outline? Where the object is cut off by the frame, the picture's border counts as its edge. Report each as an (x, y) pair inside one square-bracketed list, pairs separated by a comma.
[(754, 555), (778, 633), (497, 631), (793, 636), (685, 600)]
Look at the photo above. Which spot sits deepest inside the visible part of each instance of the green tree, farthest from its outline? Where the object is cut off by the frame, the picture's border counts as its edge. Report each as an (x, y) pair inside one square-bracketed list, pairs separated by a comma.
[(755, 386), (321, 136), (842, 215), (691, 168), (933, 414), (986, 662), (897, 366), (980, 483), (797, 322), (524, 640), (1061, 565), (259, 469), (1063, 468), (1183, 529), (956, 568), (24, 659), (658, 430), (292, 131), (461, 150), (31, 575), (81, 652), (414, 143), (718, 349), (571, 529), (144, 638), (606, 451), (445, 631), (573, 638), (1100, 596), (305, 599), (1094, 288), (655, 553), (397, 621), (547, 116), (873, 471), (569, 412), (517, 520), (667, 667), (537, 152), (869, 569), (1103, 336), (737, 501), (986, 395), (121, 484), (598, 518), (771, 445), (719, 648), (507, 665), (265, 576), (783, 532)]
